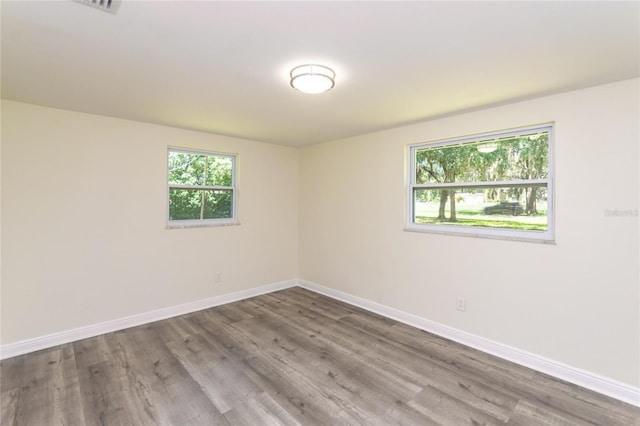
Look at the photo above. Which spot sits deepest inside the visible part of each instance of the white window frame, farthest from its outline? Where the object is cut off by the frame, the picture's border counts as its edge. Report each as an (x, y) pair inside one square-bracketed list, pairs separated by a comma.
[(547, 236), (233, 220)]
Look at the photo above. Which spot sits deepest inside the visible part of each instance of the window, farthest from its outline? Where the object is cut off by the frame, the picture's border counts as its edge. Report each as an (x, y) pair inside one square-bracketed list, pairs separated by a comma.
[(496, 185), (201, 188)]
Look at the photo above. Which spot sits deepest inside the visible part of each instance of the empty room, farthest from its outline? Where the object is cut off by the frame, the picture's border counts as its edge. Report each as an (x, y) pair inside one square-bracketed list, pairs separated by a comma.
[(320, 213)]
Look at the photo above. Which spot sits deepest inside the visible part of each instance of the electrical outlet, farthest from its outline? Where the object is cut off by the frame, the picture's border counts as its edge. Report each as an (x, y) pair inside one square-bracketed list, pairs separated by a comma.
[(217, 277), (461, 304)]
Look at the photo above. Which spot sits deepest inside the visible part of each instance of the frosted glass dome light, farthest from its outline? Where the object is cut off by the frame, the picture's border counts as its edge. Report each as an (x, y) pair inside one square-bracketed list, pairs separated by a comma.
[(312, 78)]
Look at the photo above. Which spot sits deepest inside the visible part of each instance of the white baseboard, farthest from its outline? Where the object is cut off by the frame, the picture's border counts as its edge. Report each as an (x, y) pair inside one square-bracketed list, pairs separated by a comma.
[(594, 382), (44, 342)]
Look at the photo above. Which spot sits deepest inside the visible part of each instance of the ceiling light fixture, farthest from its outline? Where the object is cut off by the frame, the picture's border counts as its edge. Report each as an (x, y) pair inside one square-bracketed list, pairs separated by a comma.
[(312, 78), (487, 147)]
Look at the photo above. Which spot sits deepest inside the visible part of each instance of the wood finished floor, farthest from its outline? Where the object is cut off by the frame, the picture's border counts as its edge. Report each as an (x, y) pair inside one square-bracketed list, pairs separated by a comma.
[(290, 357)]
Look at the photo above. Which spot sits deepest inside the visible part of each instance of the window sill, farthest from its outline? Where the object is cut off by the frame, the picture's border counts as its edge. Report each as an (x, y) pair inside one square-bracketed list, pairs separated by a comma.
[(200, 224), (487, 233)]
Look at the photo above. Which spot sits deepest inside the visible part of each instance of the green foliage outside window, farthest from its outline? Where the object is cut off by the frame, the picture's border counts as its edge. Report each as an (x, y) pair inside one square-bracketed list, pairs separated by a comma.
[(497, 181), (200, 186), (519, 158)]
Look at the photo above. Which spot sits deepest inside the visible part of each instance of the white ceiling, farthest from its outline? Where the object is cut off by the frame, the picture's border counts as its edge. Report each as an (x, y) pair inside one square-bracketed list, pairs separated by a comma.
[(222, 67)]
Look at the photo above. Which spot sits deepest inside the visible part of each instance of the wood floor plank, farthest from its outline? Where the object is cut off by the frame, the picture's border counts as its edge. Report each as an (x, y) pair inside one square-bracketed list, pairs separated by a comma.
[(386, 358), (303, 300), (65, 387), (49, 390), (233, 313), (9, 406), (110, 398), (333, 368), (224, 386), (176, 329), (292, 357), (11, 373), (174, 395), (527, 413), (34, 404), (260, 410), (305, 399), (587, 405), (445, 409)]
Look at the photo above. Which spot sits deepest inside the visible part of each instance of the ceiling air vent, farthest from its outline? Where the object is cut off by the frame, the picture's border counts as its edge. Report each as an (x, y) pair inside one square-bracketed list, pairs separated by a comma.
[(106, 5)]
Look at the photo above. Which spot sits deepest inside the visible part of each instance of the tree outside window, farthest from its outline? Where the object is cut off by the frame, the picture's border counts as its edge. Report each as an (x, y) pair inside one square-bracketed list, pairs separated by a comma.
[(484, 185), (201, 187)]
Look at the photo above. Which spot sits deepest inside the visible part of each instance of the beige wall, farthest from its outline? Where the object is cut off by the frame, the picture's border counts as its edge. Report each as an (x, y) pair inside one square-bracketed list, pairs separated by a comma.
[(84, 233), (576, 302)]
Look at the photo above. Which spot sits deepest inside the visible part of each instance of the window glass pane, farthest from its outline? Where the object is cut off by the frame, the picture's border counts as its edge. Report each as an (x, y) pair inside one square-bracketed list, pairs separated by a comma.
[(186, 169), (195, 204), (520, 208), (184, 204), (201, 187), (218, 204), (219, 171), (520, 157)]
